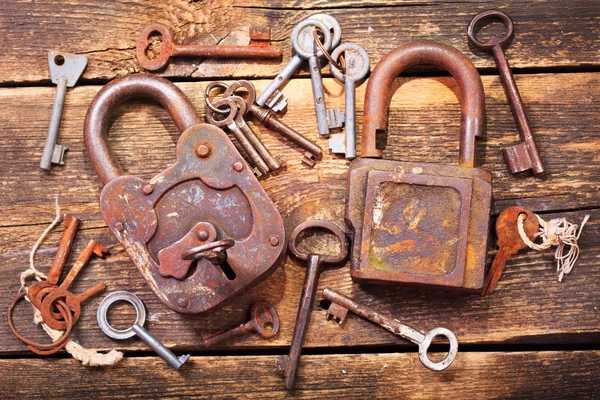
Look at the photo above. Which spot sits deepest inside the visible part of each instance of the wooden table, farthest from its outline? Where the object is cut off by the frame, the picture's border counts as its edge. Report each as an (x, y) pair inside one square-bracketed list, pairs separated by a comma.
[(532, 337)]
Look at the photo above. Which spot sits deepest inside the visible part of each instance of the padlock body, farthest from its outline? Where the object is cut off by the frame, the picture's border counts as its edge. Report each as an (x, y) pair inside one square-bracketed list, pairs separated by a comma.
[(418, 223), (217, 190)]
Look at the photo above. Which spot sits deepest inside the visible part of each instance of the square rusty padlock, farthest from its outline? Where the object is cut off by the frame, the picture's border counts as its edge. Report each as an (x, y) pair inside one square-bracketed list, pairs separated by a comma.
[(419, 223)]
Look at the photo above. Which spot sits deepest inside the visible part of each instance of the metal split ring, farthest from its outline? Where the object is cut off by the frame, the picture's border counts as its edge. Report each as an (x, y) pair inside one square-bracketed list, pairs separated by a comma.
[(334, 63), (209, 104), (208, 250)]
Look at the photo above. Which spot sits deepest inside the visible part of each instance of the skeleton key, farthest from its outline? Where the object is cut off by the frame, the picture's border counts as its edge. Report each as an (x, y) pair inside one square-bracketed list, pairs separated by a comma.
[(137, 327), (270, 120), (304, 46), (509, 241), (92, 247), (256, 49), (289, 363), (525, 155), (340, 305), (62, 254), (56, 320), (264, 320), (230, 123), (357, 67)]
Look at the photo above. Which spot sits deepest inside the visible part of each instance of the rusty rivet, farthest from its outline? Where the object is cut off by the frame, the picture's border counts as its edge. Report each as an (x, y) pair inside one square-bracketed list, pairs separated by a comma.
[(274, 241), (203, 235), (238, 166), (183, 302), (119, 226), (148, 189), (203, 150)]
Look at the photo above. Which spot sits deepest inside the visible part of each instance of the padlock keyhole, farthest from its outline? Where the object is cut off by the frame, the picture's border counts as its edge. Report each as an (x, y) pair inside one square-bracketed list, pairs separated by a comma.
[(227, 270)]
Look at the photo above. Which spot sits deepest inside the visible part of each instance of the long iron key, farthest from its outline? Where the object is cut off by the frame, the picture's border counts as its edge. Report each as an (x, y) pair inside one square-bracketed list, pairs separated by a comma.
[(65, 70), (137, 328), (340, 305), (259, 48), (525, 155), (357, 66), (509, 241), (302, 40), (233, 127), (270, 120), (264, 320), (289, 363)]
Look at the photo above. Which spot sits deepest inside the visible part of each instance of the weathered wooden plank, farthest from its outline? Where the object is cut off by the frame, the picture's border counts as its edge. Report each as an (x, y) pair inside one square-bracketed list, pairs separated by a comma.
[(528, 307), (548, 375), (424, 121), (552, 33)]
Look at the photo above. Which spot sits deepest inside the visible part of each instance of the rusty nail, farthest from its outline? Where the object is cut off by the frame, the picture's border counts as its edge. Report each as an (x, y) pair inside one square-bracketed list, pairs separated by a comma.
[(148, 189), (119, 226), (238, 166), (203, 150), (183, 302), (274, 241)]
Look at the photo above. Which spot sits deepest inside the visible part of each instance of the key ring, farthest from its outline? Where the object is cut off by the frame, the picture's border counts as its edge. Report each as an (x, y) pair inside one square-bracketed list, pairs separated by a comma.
[(325, 225), (485, 16), (205, 249), (39, 348), (209, 104), (102, 314), (334, 63), (424, 347)]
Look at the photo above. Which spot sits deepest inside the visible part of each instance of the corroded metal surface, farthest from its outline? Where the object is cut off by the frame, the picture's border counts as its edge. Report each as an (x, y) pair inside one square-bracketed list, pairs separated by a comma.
[(419, 223), (209, 183)]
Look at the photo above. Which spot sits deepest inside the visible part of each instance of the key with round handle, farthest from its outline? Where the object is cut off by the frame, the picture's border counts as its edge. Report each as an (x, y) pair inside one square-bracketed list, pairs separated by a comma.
[(525, 155), (137, 328), (264, 320), (357, 67), (509, 241), (230, 123), (315, 262), (259, 48), (305, 48), (340, 305)]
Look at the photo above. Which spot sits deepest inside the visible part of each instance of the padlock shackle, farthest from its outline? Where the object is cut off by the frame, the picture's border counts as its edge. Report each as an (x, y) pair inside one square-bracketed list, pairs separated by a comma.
[(380, 90), (97, 119)]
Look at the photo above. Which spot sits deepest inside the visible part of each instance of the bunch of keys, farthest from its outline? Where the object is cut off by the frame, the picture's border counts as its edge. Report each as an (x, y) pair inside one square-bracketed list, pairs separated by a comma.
[(264, 116), (307, 46), (59, 307)]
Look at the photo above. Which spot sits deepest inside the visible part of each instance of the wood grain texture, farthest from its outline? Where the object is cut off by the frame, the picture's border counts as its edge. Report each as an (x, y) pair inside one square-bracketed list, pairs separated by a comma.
[(552, 33), (528, 307), (548, 375)]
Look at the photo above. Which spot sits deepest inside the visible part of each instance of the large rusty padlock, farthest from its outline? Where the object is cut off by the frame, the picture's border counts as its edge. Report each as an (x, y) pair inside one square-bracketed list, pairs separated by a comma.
[(203, 230), (419, 223)]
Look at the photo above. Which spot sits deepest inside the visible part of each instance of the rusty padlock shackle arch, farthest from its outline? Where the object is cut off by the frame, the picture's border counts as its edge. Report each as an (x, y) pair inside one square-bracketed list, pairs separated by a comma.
[(379, 94), (97, 119)]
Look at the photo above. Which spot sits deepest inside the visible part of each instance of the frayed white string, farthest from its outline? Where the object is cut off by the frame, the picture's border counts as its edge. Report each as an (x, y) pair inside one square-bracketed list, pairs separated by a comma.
[(557, 232)]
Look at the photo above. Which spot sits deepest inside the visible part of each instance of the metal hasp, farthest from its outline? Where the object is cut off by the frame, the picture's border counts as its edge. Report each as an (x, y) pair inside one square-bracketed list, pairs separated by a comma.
[(202, 231), (525, 155), (65, 70), (419, 223)]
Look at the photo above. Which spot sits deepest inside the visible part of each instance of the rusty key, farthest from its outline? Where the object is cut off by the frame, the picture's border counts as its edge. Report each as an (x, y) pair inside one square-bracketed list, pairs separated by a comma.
[(62, 254), (264, 320), (91, 248), (55, 320), (289, 363), (259, 48), (509, 241), (525, 155)]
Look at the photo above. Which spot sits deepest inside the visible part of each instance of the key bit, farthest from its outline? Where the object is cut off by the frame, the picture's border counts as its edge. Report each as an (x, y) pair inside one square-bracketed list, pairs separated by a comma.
[(523, 156), (276, 102), (337, 312), (65, 70), (337, 143), (335, 118)]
